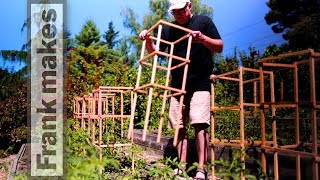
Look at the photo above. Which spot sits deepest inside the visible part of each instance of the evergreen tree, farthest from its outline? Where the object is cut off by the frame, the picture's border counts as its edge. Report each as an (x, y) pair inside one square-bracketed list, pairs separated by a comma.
[(89, 34), (299, 20), (110, 36)]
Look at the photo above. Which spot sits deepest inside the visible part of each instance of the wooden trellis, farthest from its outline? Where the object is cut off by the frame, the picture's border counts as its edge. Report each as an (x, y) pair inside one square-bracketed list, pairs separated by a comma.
[(102, 105), (238, 77), (275, 63), (149, 88)]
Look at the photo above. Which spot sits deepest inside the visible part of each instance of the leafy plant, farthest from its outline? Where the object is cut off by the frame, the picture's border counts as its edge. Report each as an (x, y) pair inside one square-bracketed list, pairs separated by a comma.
[(233, 167)]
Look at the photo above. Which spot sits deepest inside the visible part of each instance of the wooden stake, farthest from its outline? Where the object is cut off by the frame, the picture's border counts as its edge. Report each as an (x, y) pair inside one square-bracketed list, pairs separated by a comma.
[(313, 117), (212, 131), (165, 96), (133, 107), (241, 122), (153, 75), (255, 95), (274, 128), (175, 140), (262, 120), (296, 122), (121, 109)]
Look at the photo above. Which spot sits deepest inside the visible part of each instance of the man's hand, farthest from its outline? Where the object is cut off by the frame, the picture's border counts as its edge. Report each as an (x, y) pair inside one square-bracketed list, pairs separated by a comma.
[(197, 36), (144, 35)]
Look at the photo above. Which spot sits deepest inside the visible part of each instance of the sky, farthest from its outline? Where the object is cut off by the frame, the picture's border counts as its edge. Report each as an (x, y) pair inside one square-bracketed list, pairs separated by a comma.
[(240, 22)]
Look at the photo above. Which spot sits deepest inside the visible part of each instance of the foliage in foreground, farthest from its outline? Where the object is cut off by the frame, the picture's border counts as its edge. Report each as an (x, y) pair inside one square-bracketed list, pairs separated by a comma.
[(83, 161), (232, 167)]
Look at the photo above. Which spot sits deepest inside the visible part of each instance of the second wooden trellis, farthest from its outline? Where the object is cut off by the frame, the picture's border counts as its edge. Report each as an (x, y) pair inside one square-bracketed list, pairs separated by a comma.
[(309, 57)]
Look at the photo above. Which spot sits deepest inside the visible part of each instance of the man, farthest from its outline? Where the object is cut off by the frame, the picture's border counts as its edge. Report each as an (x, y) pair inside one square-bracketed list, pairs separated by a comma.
[(197, 99)]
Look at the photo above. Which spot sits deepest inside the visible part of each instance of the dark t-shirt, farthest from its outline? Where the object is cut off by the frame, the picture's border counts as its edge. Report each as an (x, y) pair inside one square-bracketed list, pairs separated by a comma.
[(201, 65)]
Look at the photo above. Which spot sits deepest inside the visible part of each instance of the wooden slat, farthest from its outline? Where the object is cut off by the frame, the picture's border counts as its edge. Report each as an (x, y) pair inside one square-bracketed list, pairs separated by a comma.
[(251, 70), (310, 144), (304, 154), (169, 88), (285, 55), (159, 67), (234, 144), (181, 39), (234, 108), (252, 80), (161, 40), (179, 65), (278, 65), (224, 74), (147, 56), (175, 26), (289, 146), (229, 78), (153, 27), (114, 88), (173, 56), (143, 86), (316, 54), (251, 104), (175, 94)]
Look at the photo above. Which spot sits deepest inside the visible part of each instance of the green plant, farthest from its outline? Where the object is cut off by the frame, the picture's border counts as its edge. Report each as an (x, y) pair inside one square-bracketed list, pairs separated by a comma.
[(232, 168), (20, 176)]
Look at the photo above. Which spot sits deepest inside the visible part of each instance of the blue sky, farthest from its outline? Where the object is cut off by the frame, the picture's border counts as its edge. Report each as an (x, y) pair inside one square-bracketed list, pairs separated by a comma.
[(239, 22)]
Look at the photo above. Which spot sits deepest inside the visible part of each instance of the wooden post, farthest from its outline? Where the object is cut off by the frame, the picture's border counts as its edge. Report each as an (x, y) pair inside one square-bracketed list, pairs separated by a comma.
[(113, 109), (83, 125), (262, 120), (121, 109), (296, 122), (274, 128), (241, 121), (212, 129), (175, 140), (313, 116), (165, 95), (255, 96), (100, 141), (133, 107), (153, 75)]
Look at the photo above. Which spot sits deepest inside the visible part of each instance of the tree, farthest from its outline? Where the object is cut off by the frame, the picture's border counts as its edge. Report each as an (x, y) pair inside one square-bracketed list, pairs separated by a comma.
[(13, 112), (110, 36), (89, 34), (299, 20)]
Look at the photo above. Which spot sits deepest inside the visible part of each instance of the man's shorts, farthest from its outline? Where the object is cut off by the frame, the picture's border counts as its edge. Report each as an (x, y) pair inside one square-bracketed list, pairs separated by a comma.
[(196, 109)]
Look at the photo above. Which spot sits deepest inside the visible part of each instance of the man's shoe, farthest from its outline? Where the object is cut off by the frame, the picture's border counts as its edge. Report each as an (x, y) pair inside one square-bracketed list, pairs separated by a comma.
[(201, 175), (177, 172)]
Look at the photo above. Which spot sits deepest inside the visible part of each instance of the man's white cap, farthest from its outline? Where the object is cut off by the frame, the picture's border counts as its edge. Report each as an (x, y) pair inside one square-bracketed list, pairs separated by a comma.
[(177, 4)]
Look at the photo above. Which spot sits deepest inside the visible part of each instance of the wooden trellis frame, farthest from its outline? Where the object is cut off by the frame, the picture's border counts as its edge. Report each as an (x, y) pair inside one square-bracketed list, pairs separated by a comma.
[(241, 108), (101, 96), (275, 62), (95, 108), (149, 88)]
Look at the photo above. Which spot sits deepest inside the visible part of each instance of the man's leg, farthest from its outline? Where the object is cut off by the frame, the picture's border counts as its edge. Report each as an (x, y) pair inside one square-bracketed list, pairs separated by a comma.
[(202, 141), (182, 146), (183, 143), (200, 119)]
